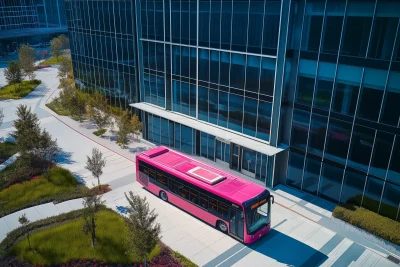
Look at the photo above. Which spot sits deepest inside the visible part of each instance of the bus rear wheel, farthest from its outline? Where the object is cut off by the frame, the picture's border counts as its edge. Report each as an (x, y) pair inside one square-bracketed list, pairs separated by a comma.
[(222, 226), (163, 196)]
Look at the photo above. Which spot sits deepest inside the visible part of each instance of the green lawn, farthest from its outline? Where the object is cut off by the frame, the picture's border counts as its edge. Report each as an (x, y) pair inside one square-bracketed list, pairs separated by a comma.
[(67, 241), (7, 149), (62, 186), (52, 61), (18, 90)]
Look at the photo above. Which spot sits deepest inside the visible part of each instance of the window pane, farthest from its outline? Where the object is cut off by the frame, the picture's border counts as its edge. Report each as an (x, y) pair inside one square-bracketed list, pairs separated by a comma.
[(345, 99), (255, 26), (353, 187), (380, 157), (250, 116), (299, 135), (394, 169), (271, 27), (333, 29), (223, 109), (391, 109), (214, 67), (312, 32), (331, 181), (252, 73), (361, 147), (264, 120), (203, 103), (311, 176), (383, 35), (323, 94), (356, 34), (267, 79), (226, 19), (317, 134), (390, 201), (186, 138), (239, 24), (337, 141), (370, 103), (372, 194), (224, 68), (213, 106), (238, 70), (305, 90), (295, 170), (164, 132), (235, 112)]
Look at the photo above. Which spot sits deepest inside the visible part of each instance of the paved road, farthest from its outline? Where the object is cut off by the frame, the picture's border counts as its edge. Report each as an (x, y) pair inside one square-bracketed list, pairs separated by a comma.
[(293, 241)]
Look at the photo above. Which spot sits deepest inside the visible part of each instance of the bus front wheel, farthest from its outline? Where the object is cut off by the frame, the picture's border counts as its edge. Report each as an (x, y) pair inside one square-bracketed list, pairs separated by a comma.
[(222, 226), (163, 196)]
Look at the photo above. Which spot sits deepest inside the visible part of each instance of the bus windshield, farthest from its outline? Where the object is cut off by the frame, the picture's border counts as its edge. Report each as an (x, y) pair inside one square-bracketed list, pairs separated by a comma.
[(258, 215)]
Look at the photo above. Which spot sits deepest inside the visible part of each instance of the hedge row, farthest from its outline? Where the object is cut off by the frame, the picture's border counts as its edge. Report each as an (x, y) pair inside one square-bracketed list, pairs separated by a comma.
[(369, 221), (373, 205), (13, 236)]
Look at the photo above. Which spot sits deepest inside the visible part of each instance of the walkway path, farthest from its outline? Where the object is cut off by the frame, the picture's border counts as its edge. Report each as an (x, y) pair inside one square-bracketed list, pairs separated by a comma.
[(298, 236)]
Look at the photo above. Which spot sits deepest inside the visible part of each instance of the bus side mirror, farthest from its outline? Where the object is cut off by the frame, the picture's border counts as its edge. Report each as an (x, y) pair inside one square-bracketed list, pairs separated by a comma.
[(273, 200)]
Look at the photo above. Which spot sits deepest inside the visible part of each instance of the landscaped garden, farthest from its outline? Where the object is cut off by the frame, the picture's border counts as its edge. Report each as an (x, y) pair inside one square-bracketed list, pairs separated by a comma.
[(33, 178), (19, 89), (63, 241), (93, 105), (53, 60)]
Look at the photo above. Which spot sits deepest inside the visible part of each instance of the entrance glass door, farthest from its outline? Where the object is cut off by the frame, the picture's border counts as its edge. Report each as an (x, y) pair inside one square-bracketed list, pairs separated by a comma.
[(236, 223), (249, 163), (222, 152)]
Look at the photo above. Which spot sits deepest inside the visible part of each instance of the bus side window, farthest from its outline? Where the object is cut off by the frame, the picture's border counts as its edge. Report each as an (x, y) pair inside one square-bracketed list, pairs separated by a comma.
[(152, 174), (212, 204), (162, 179), (203, 201), (223, 210), (174, 186), (194, 197), (184, 192)]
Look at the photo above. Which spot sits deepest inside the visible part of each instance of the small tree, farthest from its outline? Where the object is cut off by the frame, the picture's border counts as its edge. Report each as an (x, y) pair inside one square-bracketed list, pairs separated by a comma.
[(26, 57), (64, 41), (91, 204), (55, 47), (77, 105), (144, 232), (65, 67), (27, 132), (136, 125), (47, 151), (13, 72), (99, 111), (124, 128), (96, 163), (23, 220)]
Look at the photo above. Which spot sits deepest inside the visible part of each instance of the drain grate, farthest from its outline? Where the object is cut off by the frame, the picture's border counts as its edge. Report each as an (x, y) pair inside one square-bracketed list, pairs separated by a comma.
[(393, 259)]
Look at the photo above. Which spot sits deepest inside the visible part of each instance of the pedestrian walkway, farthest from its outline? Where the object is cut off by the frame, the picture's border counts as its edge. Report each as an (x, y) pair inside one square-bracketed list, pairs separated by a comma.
[(8, 161)]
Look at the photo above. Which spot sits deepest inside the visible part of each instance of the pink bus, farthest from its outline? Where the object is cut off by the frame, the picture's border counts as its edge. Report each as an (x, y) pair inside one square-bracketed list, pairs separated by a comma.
[(229, 203)]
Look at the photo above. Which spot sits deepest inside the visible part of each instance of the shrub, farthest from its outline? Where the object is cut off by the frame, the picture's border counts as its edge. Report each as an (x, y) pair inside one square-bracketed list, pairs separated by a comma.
[(18, 172), (373, 205), (19, 90), (101, 189), (369, 221), (7, 149), (100, 132)]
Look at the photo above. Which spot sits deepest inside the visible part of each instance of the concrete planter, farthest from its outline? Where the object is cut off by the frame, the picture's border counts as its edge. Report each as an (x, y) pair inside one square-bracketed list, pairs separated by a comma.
[(393, 248)]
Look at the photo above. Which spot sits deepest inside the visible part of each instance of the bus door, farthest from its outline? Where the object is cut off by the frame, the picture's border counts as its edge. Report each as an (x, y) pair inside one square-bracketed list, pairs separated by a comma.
[(236, 223)]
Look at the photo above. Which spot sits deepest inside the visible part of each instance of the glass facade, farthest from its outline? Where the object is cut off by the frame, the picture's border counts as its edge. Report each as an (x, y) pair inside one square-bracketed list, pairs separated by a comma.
[(320, 80), (344, 133), (30, 21), (103, 48)]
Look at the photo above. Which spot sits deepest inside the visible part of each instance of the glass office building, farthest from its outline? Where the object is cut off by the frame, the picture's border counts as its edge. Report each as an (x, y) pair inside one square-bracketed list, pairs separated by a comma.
[(30, 21), (301, 93)]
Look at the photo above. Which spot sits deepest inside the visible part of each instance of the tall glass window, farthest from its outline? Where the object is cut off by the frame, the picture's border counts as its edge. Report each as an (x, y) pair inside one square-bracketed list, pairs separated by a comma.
[(357, 28), (295, 170), (311, 175), (331, 182), (312, 27), (300, 124), (362, 142), (317, 134), (394, 167), (380, 156), (337, 141), (333, 27), (353, 187), (391, 109)]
